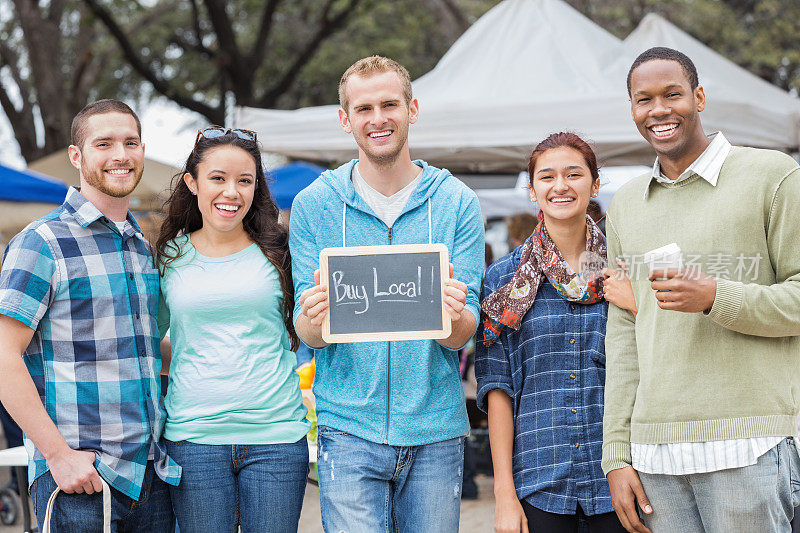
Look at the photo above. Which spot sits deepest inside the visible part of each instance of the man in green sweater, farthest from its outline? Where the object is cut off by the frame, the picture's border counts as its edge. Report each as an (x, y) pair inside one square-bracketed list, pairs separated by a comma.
[(703, 382)]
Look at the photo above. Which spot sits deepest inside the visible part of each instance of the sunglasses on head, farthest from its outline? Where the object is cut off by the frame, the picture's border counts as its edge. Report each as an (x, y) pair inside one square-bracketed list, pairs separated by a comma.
[(212, 132)]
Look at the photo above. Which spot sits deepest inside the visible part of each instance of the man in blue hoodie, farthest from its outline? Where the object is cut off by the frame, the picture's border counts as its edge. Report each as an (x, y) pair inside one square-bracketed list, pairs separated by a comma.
[(391, 415)]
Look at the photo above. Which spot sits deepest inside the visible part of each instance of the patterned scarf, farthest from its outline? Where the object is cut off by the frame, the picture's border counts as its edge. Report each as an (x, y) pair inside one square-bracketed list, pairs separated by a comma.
[(541, 259)]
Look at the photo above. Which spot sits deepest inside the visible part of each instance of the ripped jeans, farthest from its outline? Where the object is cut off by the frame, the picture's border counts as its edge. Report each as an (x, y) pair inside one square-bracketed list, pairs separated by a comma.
[(369, 487)]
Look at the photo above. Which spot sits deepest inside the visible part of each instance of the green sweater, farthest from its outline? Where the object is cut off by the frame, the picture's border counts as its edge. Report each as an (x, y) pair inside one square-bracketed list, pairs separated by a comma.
[(734, 373)]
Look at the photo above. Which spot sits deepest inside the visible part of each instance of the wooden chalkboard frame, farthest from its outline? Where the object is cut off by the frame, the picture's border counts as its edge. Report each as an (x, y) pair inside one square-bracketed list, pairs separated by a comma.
[(444, 270)]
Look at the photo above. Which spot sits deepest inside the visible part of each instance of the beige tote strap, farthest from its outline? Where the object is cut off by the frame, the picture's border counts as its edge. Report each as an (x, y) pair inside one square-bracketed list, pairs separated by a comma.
[(48, 515)]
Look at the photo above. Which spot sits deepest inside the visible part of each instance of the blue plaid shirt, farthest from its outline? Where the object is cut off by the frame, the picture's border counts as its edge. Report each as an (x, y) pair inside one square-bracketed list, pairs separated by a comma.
[(91, 297), (553, 369)]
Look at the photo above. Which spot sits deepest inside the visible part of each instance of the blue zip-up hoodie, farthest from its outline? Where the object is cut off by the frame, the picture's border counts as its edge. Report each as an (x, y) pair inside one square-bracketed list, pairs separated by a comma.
[(403, 393)]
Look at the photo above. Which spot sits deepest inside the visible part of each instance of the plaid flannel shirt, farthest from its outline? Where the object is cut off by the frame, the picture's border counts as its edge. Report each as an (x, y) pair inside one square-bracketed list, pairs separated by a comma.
[(553, 369), (91, 296)]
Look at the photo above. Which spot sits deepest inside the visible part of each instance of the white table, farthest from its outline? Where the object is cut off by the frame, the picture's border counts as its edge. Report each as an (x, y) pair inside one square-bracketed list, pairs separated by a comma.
[(18, 458), (14, 457)]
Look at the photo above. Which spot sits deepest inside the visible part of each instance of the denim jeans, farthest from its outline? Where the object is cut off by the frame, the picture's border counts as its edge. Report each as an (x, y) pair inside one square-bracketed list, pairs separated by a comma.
[(756, 498), (370, 487), (81, 513), (259, 487)]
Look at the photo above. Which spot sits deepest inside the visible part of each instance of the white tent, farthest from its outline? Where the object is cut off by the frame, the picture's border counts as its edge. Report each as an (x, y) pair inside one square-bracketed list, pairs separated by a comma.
[(749, 110), (526, 69), (499, 203)]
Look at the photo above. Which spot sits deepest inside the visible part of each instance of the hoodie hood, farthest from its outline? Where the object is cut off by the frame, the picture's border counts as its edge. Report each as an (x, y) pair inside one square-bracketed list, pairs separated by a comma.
[(340, 181)]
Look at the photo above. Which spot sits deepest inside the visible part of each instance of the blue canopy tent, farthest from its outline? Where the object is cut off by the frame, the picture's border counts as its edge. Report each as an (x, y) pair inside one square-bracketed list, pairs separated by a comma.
[(27, 186), (286, 181)]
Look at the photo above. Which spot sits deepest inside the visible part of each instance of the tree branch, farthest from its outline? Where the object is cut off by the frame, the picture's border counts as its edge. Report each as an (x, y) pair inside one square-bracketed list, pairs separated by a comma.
[(152, 16), (80, 70), (9, 57), (8, 106), (145, 70), (326, 28), (186, 46), (229, 51), (198, 32), (207, 84), (43, 42), (456, 13), (55, 11), (259, 51), (93, 72), (24, 126), (80, 84)]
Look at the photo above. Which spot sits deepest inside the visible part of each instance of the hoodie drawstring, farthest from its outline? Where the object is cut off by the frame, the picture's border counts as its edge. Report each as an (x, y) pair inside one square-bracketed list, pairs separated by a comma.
[(430, 224), (344, 213)]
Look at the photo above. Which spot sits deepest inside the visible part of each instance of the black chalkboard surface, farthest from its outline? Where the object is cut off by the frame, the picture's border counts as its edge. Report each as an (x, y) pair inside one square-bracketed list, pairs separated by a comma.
[(385, 293)]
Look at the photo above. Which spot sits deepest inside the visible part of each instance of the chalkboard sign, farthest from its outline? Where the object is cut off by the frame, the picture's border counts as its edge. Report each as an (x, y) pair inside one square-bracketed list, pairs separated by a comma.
[(385, 293)]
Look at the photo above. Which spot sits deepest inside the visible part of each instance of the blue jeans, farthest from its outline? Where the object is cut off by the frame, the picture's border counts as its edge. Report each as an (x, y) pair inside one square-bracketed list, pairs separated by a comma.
[(259, 487), (755, 498), (369, 487), (80, 513)]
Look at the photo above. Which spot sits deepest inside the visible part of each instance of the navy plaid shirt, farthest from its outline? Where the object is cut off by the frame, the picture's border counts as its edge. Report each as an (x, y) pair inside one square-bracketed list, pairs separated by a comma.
[(91, 296), (553, 369)]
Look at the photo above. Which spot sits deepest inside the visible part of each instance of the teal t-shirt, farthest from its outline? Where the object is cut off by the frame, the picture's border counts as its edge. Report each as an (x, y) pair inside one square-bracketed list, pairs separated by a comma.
[(231, 379)]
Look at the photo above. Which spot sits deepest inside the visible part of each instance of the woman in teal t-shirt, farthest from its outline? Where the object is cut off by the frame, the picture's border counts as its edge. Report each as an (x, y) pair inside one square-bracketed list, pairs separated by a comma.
[(236, 422)]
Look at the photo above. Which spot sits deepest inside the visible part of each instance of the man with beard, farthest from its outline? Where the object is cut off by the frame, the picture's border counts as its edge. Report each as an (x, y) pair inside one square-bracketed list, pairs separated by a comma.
[(79, 350), (391, 415)]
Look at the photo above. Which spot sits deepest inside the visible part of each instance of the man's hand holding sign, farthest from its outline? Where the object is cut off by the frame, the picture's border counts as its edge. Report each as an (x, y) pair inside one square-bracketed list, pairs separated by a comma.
[(386, 292)]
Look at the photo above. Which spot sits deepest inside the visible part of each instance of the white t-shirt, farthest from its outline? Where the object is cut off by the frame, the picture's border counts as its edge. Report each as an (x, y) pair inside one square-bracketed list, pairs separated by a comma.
[(388, 208)]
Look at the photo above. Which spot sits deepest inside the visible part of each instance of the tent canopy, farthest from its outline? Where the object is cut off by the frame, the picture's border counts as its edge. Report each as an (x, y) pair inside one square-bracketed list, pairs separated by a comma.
[(286, 181), (26, 186), (529, 68), (24, 197)]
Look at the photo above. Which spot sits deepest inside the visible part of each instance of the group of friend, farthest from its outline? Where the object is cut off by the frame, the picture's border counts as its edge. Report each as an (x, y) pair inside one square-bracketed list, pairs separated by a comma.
[(662, 401)]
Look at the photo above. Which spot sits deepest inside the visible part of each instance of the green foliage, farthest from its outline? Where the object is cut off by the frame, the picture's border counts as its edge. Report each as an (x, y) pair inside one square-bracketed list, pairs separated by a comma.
[(194, 61), (53, 59), (72, 51), (762, 36), (774, 44)]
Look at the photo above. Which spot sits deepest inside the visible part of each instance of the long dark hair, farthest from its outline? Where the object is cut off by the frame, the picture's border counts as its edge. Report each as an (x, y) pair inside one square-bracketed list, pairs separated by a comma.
[(261, 221)]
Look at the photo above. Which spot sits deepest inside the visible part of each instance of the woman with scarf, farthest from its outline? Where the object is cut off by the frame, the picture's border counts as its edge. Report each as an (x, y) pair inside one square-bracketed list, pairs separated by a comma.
[(540, 358)]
